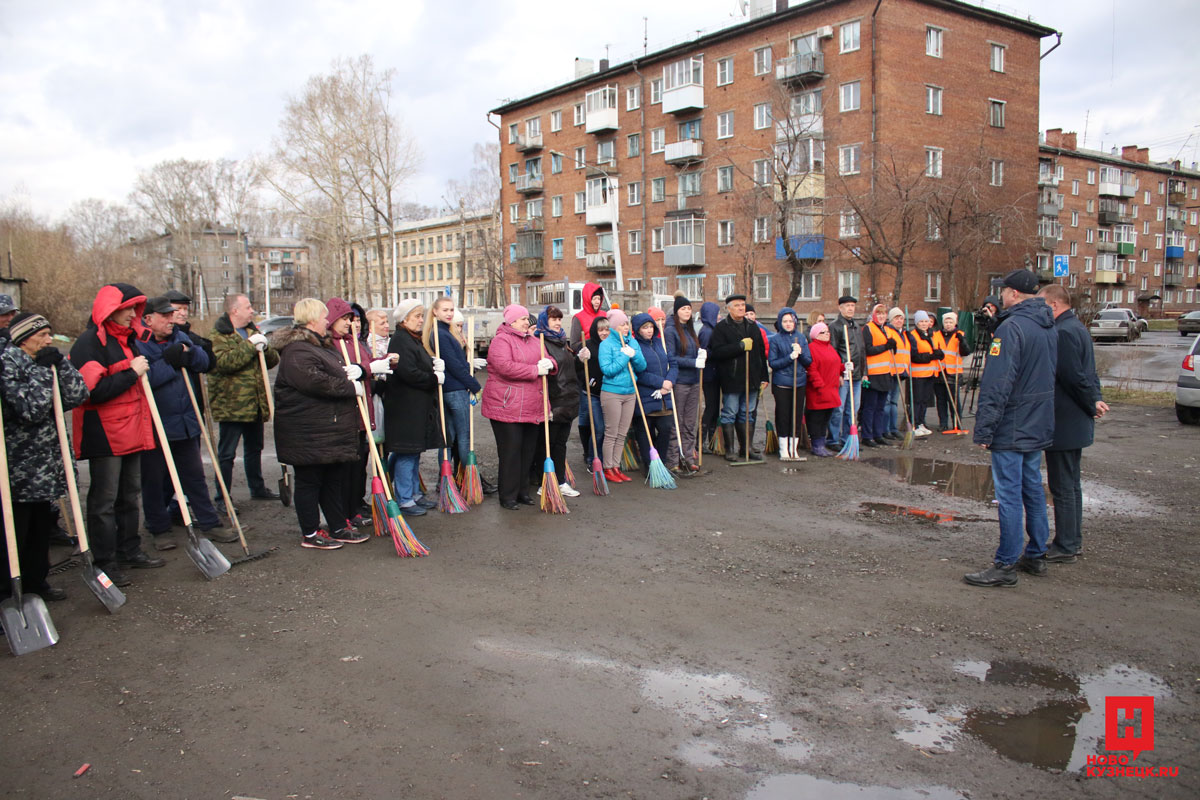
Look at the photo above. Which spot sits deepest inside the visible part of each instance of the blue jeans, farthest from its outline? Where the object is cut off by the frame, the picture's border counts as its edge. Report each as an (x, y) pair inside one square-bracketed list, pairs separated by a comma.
[(597, 421), (406, 477), (458, 423), (1018, 481), (839, 421), (735, 406), (892, 408)]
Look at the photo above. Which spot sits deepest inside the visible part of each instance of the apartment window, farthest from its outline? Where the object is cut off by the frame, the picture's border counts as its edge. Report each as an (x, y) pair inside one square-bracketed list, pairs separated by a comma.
[(997, 62), (933, 228), (512, 133), (1145, 256), (997, 232), (762, 172), (581, 247), (933, 287), (1074, 219), (633, 98), (996, 116), (689, 130), (658, 190), (533, 127), (1089, 235), (850, 96), (224, 259), (1091, 178), (1075, 186), (848, 283), (692, 286), (725, 232), (514, 214), (634, 144), (580, 157), (1091, 206), (933, 162), (762, 288), (606, 152), (556, 205), (848, 224), (580, 202), (658, 140), (1159, 215), (849, 159), (725, 284), (762, 61), (810, 286), (762, 229), (850, 36), (725, 125), (556, 249), (555, 163), (725, 179), (512, 172), (933, 100), (656, 91), (1074, 248), (1158, 241), (724, 71), (762, 116), (555, 121), (1145, 226), (689, 184), (656, 246), (997, 172), (635, 242), (634, 188), (580, 115), (1087, 264), (933, 41)]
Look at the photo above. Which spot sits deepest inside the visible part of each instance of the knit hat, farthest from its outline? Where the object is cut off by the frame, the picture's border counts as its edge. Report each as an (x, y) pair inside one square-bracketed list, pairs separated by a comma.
[(337, 308), (920, 316), (992, 300), (656, 313), (26, 324), (818, 329), (458, 318), (514, 312), (405, 308), (617, 317), (895, 312), (949, 316), (680, 302)]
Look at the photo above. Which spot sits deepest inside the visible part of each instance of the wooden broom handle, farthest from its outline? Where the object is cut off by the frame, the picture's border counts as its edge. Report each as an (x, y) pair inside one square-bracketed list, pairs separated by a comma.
[(64, 447), (262, 362)]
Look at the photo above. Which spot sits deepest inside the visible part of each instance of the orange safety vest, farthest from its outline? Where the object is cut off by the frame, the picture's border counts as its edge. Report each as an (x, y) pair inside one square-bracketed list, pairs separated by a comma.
[(902, 357), (924, 370), (952, 362), (880, 364)]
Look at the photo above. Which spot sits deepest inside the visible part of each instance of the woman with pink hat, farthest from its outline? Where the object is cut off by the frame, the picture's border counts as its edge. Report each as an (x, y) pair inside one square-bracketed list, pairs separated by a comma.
[(821, 390)]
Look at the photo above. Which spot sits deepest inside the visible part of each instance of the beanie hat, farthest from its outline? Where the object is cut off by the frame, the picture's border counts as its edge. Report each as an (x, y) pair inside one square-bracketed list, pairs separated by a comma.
[(895, 312), (818, 329), (950, 316), (617, 317), (920, 316), (405, 308), (458, 318), (338, 308), (656, 313), (26, 324), (514, 312), (681, 302)]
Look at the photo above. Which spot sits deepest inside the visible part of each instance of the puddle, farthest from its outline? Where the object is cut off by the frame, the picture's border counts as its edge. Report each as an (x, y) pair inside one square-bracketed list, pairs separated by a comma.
[(791, 787), (919, 514), (1019, 673), (931, 730)]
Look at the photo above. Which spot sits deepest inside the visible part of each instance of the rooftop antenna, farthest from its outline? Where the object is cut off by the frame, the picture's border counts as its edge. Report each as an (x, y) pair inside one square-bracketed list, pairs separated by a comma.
[(645, 35), (1086, 117)]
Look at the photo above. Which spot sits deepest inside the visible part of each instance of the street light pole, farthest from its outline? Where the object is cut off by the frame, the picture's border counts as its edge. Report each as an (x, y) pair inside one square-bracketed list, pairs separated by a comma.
[(614, 199)]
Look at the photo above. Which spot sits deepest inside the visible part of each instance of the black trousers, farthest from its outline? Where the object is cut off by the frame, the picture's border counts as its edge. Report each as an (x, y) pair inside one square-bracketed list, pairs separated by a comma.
[(712, 407), (783, 409), (516, 443), (32, 523), (112, 507), (1062, 473), (157, 489), (356, 479), (560, 434), (661, 428), (945, 409), (818, 423), (320, 488), (251, 436)]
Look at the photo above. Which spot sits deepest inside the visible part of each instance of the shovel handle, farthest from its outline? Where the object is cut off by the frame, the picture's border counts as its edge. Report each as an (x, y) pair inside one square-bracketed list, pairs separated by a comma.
[(262, 362), (68, 464), (10, 532), (212, 454), (166, 450)]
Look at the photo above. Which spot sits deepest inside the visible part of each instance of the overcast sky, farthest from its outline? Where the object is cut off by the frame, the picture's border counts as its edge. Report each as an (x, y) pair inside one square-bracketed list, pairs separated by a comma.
[(95, 90)]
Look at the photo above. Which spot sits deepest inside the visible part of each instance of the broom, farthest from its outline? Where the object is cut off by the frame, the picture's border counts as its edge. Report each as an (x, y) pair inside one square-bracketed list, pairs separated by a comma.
[(772, 440), (469, 483), (683, 462), (849, 451), (552, 499), (599, 482), (629, 459), (657, 474), (449, 499), (958, 429)]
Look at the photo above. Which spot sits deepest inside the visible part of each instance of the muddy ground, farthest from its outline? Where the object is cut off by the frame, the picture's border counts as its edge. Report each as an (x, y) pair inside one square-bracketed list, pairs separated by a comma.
[(756, 633)]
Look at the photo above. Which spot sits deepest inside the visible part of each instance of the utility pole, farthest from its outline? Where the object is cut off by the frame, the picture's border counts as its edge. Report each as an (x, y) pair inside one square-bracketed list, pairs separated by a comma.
[(462, 253)]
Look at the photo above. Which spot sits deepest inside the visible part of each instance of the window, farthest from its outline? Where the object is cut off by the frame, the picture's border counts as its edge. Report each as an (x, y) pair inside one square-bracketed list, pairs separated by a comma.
[(533, 210), (850, 36), (933, 228), (606, 152), (996, 116), (225, 243), (810, 286), (555, 121), (656, 91), (933, 287), (997, 62), (762, 229), (580, 115), (1074, 248), (725, 284), (762, 172), (224, 259), (762, 61), (725, 125), (933, 162), (933, 41), (514, 214), (581, 247), (633, 98), (1075, 219), (512, 172), (555, 163), (848, 284), (1145, 255), (580, 157), (850, 96), (533, 127), (635, 242), (656, 245), (1075, 186), (658, 140), (1091, 178), (762, 116), (724, 71), (556, 249), (933, 100), (849, 159), (687, 72), (689, 130), (512, 133), (725, 232), (689, 184), (658, 190), (556, 205), (1087, 263), (1089, 235), (997, 172), (1091, 206), (725, 179), (692, 286), (580, 202), (634, 144), (634, 189), (997, 231), (762, 287), (849, 225)]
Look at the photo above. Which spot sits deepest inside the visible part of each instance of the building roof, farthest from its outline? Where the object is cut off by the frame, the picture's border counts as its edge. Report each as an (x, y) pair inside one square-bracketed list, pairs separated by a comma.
[(268, 241), (767, 20), (1165, 167), (412, 226)]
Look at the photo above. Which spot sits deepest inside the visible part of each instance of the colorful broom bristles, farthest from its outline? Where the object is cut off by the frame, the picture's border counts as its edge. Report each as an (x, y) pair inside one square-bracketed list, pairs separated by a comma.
[(552, 499), (629, 461), (407, 545), (449, 499), (659, 476), (599, 482), (849, 451), (716, 443), (378, 506), (570, 475), (469, 483), (772, 440)]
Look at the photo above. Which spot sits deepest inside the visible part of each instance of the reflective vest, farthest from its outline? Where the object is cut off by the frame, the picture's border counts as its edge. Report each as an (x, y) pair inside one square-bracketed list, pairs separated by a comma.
[(952, 362), (880, 364), (923, 370), (902, 352)]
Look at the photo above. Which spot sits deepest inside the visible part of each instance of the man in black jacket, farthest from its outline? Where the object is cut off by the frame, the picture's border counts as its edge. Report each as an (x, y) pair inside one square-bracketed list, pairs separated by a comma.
[(737, 344), (1077, 406), (842, 330)]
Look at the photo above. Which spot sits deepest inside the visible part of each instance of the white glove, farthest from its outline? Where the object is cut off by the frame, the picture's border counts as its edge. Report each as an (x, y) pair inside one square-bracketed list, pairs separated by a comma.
[(702, 353), (628, 351), (848, 374), (381, 367), (544, 365), (656, 394), (701, 360), (258, 340), (353, 371), (850, 366), (480, 363), (441, 377), (439, 365), (359, 390), (795, 352), (584, 354), (795, 347)]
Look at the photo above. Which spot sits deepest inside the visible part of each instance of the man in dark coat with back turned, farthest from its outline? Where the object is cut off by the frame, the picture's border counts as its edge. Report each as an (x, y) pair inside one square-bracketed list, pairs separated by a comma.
[(1077, 406), (733, 339)]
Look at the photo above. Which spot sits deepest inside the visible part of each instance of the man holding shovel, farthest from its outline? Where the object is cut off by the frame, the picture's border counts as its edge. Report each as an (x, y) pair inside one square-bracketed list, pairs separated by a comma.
[(737, 346)]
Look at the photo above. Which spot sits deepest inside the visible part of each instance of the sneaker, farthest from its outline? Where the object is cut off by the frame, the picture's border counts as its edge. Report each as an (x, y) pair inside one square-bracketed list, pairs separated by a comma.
[(1034, 566), (315, 541), (922, 431), (1056, 556), (415, 510), (360, 521), (996, 575), (349, 536), (568, 490)]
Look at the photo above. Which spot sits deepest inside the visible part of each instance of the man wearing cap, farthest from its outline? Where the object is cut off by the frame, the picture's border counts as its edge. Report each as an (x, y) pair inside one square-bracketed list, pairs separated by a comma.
[(172, 356), (238, 393), (737, 345), (8, 310), (842, 330), (1015, 422)]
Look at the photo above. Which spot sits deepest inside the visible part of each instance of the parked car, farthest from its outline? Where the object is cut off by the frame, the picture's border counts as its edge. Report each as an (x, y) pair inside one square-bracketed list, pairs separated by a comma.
[(272, 324), (1189, 323), (1142, 325), (1113, 324), (1187, 387)]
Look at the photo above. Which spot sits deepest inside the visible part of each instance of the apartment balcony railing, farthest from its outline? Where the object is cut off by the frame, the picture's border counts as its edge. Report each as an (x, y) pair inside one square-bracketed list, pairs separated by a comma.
[(1049, 210), (685, 152), (1171, 279), (530, 184), (1106, 247), (531, 267), (604, 261), (683, 255), (682, 99), (800, 126), (1047, 177), (800, 68), (1109, 276), (1109, 188), (601, 120), (1174, 224), (802, 246), (528, 143)]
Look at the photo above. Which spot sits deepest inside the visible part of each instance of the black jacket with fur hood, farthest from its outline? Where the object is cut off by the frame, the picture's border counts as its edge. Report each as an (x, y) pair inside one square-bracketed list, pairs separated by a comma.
[(316, 416)]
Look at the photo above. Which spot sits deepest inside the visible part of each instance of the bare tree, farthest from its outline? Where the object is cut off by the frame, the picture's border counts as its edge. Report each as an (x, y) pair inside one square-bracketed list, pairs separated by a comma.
[(480, 192)]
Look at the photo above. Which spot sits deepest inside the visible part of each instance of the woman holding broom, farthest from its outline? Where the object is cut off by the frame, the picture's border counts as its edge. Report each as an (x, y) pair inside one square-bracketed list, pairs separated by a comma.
[(681, 341), (564, 395), (655, 385), (924, 369), (789, 358), (591, 415), (410, 424), (617, 399), (821, 391), (512, 400)]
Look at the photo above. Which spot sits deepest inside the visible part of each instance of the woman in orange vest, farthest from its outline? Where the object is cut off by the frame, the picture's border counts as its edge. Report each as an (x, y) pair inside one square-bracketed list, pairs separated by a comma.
[(924, 369), (953, 345), (880, 349), (897, 396)]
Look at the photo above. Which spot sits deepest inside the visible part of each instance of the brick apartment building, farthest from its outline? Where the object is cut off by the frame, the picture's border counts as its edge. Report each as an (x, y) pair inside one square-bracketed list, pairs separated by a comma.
[(790, 152), (1127, 226), (277, 273)]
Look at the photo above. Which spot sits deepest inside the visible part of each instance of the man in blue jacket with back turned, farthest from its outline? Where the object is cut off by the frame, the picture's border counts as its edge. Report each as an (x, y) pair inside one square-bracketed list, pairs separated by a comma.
[(1015, 422)]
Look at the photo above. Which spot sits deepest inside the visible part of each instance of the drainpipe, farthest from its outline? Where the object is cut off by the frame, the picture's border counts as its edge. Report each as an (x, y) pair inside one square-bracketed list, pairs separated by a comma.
[(646, 234), (874, 95)]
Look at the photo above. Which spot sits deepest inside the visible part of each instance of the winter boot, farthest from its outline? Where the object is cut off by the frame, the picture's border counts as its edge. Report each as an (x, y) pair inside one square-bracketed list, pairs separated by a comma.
[(755, 453), (705, 439), (818, 448), (727, 434)]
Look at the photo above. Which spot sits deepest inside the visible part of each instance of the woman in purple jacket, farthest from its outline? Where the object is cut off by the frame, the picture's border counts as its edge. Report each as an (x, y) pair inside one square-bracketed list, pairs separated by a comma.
[(512, 400)]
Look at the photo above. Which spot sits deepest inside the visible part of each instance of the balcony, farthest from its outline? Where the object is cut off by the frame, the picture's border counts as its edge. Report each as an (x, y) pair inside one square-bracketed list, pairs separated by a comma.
[(809, 186), (1106, 247), (1111, 218), (531, 267), (1172, 279), (1049, 210), (602, 169), (800, 126), (601, 120), (1109, 276), (681, 99), (1048, 242), (530, 184), (803, 246), (1129, 189), (1174, 224), (601, 214), (1047, 177), (531, 224), (527, 143), (603, 261), (684, 152), (1126, 248), (1174, 251), (683, 255), (800, 68), (1176, 193), (1109, 188)]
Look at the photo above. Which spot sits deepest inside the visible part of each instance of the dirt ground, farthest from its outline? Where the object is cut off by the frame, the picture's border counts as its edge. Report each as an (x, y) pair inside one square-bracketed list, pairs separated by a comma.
[(756, 633)]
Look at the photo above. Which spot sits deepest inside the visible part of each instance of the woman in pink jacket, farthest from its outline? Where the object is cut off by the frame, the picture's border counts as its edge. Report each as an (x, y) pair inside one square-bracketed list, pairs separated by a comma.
[(512, 400)]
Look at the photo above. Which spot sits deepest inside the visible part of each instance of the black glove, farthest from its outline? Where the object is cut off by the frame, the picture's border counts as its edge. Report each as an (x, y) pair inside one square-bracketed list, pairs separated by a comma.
[(48, 357), (175, 355), (891, 345), (938, 354)]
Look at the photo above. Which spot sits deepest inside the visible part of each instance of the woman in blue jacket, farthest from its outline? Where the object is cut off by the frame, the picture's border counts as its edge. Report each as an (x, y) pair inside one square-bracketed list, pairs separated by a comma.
[(617, 352), (684, 345), (709, 313), (789, 358), (655, 385)]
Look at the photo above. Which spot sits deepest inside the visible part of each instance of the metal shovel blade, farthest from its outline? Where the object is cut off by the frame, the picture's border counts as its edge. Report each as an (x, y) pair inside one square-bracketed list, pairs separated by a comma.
[(205, 555), (104, 589), (28, 626), (285, 488)]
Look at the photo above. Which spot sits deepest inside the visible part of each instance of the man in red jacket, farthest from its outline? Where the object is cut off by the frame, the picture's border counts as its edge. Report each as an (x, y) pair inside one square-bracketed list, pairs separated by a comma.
[(113, 427)]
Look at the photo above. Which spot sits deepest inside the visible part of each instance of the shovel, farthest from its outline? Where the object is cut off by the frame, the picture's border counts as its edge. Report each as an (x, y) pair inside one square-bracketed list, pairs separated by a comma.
[(285, 487), (26, 621), (107, 593), (203, 553)]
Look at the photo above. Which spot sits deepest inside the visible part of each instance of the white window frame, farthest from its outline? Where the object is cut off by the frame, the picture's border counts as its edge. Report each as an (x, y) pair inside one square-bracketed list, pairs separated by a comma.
[(933, 162), (634, 191), (725, 178), (725, 71), (633, 145), (934, 41), (762, 116), (996, 112), (762, 287), (724, 232), (762, 229), (763, 63), (580, 115), (933, 287), (581, 247), (997, 177), (635, 242), (658, 190), (581, 202), (850, 96), (656, 92), (850, 159), (726, 284), (633, 98), (555, 121), (996, 59), (810, 286), (848, 224), (656, 246), (849, 282), (580, 157), (556, 206), (933, 100), (555, 163), (850, 37), (513, 133), (658, 140), (725, 125), (762, 171)]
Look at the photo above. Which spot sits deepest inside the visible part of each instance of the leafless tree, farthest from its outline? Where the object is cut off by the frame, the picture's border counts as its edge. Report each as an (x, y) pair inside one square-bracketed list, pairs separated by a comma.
[(480, 192)]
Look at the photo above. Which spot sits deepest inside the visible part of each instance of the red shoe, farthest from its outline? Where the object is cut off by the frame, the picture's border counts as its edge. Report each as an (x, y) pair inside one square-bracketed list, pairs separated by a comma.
[(622, 476), (610, 475)]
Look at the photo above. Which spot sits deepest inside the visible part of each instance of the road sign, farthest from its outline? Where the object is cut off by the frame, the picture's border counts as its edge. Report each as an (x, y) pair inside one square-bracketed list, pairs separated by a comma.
[(1062, 266)]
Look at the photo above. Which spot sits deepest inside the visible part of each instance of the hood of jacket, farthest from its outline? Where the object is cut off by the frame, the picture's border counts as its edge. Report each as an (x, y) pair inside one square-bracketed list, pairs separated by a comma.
[(787, 312), (709, 313), (224, 326), (586, 315), (1035, 309), (289, 336), (638, 321), (114, 297), (338, 308)]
